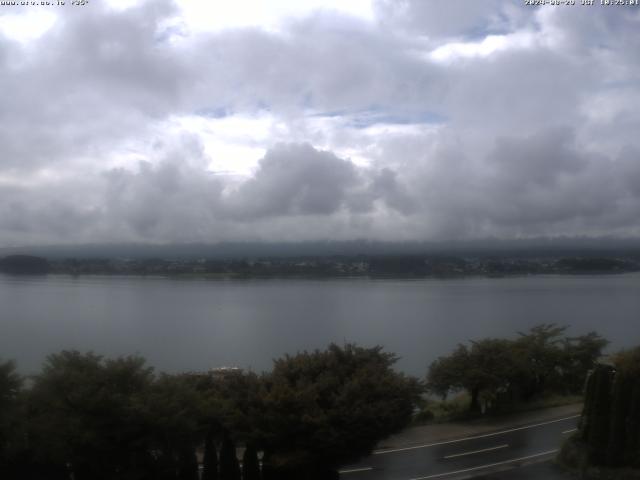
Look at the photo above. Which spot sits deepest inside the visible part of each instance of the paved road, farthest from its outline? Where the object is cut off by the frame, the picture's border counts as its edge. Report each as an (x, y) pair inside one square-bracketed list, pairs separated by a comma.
[(539, 471), (466, 457)]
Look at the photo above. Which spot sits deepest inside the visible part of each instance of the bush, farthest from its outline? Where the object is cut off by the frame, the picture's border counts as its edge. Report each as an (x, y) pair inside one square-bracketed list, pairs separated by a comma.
[(424, 416)]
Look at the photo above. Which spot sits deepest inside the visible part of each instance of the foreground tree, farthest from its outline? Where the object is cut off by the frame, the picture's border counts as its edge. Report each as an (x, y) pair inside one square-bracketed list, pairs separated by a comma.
[(231, 401), (172, 413), (210, 460), (327, 408), (540, 356), (229, 466), (484, 370), (93, 418), (187, 464), (11, 444), (498, 371), (85, 412), (624, 437), (250, 464), (609, 432), (579, 356), (628, 361)]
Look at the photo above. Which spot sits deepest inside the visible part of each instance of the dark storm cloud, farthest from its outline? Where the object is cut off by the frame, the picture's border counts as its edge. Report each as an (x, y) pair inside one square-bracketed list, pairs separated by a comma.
[(543, 182), (387, 186), (173, 197), (37, 214), (299, 180), (544, 179), (538, 160), (528, 140), (294, 179)]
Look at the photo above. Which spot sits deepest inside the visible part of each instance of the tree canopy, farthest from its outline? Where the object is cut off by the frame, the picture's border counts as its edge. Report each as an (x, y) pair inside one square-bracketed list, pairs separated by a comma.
[(101, 419), (326, 408), (10, 387), (497, 371)]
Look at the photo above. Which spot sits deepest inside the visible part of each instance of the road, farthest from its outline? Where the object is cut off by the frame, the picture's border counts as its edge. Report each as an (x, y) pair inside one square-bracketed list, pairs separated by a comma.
[(478, 455), (539, 471)]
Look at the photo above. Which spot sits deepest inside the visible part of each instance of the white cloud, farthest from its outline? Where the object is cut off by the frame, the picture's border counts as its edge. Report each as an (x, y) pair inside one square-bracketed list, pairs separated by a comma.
[(234, 143), (28, 25), (487, 46)]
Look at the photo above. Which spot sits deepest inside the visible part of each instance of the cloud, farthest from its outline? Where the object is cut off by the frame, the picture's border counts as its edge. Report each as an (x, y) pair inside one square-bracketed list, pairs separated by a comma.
[(324, 62), (294, 179), (426, 122), (453, 19), (530, 184), (96, 77), (170, 197)]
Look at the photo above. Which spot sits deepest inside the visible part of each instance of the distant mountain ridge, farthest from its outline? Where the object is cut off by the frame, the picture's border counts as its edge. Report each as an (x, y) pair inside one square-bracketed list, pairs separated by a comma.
[(539, 247)]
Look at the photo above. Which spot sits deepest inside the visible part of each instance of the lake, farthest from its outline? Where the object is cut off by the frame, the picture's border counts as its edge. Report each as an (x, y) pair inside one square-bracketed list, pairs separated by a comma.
[(181, 325)]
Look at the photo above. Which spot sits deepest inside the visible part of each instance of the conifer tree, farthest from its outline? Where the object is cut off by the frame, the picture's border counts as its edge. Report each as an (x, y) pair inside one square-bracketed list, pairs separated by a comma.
[(587, 409), (268, 472), (210, 461), (620, 404), (188, 464), (600, 418), (250, 464), (229, 466), (632, 435)]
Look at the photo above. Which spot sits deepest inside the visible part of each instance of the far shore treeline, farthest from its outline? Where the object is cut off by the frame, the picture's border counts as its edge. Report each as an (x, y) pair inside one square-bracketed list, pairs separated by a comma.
[(329, 266), (87, 417)]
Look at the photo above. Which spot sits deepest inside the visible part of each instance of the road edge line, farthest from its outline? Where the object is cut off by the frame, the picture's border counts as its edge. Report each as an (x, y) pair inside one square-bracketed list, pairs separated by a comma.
[(491, 465), (475, 437)]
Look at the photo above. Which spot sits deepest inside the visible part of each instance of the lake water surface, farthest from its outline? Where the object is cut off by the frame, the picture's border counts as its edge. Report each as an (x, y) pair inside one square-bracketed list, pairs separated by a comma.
[(197, 324)]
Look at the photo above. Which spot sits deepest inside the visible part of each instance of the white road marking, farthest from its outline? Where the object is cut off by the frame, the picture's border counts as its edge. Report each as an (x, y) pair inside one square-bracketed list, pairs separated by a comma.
[(486, 435), (355, 470), (570, 431), (477, 451), (486, 466)]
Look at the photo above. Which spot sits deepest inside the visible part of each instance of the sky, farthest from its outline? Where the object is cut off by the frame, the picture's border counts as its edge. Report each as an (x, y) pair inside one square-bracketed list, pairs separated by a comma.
[(288, 120)]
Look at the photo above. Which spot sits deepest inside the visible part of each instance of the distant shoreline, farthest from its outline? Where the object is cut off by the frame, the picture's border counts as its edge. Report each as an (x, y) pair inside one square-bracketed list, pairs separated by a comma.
[(355, 266), (232, 277)]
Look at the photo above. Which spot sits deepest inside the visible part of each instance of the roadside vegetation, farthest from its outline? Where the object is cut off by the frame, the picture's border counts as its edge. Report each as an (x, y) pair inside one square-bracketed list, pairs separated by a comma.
[(455, 408), (91, 418), (88, 417), (541, 367)]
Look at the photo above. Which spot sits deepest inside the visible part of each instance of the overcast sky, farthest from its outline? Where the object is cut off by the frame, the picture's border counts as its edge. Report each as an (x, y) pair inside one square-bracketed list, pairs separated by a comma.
[(206, 121)]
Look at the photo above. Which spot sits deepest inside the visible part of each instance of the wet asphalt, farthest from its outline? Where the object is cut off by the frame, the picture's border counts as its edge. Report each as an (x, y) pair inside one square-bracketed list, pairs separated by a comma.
[(518, 453)]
